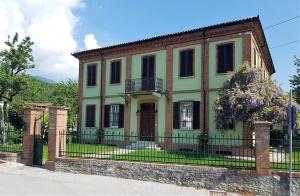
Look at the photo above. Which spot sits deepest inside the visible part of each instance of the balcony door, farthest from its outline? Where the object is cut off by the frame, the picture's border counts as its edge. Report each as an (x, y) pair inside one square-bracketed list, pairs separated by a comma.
[(147, 122), (148, 70)]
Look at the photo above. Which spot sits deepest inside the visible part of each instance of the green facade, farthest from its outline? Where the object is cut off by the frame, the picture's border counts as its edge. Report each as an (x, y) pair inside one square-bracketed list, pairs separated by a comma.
[(184, 89)]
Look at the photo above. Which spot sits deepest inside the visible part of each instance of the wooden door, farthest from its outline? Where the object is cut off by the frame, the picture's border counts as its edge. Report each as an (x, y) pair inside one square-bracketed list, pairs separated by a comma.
[(147, 122)]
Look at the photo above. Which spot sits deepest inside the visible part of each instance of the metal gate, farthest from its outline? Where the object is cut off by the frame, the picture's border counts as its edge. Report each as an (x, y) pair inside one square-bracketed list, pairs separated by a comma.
[(38, 142)]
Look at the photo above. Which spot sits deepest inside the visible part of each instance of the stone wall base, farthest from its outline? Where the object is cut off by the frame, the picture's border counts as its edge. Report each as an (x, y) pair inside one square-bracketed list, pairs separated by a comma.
[(13, 157), (231, 180)]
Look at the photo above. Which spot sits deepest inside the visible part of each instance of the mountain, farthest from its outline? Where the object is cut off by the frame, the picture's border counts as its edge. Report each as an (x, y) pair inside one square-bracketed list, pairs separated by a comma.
[(43, 79)]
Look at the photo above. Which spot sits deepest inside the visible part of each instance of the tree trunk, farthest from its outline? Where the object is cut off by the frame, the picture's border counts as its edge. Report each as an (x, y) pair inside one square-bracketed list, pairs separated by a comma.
[(2, 124)]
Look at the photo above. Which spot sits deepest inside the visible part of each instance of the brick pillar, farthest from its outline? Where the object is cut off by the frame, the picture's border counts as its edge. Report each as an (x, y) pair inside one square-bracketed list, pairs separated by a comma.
[(31, 114), (58, 117), (262, 144)]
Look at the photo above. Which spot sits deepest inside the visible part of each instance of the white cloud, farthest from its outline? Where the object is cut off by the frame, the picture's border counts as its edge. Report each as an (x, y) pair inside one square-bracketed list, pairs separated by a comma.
[(90, 42), (50, 24)]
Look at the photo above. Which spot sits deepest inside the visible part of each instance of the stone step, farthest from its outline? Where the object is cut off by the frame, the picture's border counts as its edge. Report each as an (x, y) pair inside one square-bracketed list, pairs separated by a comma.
[(143, 145)]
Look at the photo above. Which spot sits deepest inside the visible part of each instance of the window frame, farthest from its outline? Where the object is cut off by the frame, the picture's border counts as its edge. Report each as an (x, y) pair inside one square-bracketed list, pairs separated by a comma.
[(120, 76), (180, 114), (111, 116), (217, 55), (154, 64), (86, 115), (179, 62), (87, 74)]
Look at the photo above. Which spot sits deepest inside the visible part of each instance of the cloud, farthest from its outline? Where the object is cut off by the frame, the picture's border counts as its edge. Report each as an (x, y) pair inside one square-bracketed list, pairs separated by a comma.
[(50, 24), (90, 42)]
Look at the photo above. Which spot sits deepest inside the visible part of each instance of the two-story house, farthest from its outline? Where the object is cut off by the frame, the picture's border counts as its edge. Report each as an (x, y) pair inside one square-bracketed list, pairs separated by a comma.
[(167, 85)]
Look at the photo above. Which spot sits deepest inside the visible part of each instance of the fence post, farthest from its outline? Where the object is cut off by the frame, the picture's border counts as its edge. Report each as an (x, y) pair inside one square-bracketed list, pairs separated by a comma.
[(30, 115), (58, 117), (262, 145)]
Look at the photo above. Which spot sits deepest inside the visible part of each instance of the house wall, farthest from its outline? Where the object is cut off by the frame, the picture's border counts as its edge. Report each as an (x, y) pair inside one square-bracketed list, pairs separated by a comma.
[(199, 87), (192, 82), (216, 81)]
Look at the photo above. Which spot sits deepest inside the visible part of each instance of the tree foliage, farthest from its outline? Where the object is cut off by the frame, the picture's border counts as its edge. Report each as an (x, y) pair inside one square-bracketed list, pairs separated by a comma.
[(14, 61), (247, 97), (295, 81)]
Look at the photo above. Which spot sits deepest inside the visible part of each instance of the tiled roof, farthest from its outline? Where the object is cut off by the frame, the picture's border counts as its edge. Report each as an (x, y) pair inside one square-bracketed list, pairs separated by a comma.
[(250, 19)]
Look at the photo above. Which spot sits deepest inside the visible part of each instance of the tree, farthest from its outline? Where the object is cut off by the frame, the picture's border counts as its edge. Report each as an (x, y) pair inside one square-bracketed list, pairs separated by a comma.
[(295, 81), (66, 94), (14, 61), (247, 97)]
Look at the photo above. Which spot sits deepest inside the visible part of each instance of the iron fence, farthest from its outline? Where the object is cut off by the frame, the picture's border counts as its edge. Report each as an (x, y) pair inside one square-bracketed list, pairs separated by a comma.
[(279, 153), (193, 149), (11, 141)]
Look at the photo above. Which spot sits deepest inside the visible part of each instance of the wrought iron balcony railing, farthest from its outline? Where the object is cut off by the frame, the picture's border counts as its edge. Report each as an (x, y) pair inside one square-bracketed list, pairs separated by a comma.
[(135, 86)]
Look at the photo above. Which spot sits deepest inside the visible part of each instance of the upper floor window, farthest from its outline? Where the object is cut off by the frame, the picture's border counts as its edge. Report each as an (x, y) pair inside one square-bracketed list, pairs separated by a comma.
[(115, 72), (186, 115), (90, 116), (254, 56), (186, 63), (225, 58), (148, 66), (91, 74), (114, 116)]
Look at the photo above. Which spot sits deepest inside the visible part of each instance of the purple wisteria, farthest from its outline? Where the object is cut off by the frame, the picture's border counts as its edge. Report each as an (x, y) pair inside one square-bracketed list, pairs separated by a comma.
[(247, 96)]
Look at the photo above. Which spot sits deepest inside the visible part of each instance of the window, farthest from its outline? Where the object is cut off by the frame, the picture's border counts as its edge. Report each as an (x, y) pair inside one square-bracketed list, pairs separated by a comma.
[(254, 56), (91, 74), (114, 116), (225, 58), (90, 116), (186, 63), (115, 72), (186, 115)]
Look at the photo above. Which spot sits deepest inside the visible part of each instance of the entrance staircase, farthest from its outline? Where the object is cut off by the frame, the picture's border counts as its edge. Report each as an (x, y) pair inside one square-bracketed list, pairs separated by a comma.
[(140, 145)]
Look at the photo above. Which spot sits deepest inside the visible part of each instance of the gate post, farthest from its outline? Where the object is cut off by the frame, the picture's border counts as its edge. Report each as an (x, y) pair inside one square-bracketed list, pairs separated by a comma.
[(262, 145), (32, 122), (58, 117)]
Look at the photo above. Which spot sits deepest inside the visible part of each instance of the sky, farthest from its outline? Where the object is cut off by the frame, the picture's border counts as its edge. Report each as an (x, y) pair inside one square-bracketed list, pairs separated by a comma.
[(60, 27)]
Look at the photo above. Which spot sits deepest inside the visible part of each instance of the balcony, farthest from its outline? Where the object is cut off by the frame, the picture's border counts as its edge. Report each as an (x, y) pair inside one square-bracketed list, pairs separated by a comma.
[(144, 86)]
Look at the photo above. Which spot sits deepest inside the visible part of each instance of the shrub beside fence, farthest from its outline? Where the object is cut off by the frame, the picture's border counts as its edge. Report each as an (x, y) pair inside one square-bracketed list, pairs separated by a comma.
[(181, 149), (11, 141)]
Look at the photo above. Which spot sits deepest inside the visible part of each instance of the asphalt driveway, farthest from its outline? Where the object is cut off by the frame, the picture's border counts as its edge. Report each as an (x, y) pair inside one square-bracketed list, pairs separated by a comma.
[(22, 180)]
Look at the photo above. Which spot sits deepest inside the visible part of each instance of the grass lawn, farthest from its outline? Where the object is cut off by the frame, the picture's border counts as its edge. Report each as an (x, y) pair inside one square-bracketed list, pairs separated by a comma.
[(295, 161), (77, 150), (183, 158)]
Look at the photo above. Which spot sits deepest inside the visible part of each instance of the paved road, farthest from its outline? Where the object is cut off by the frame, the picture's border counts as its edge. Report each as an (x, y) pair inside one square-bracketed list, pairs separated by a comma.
[(22, 180)]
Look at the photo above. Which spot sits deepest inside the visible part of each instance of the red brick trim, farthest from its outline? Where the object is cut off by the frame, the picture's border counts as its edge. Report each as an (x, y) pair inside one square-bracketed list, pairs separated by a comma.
[(80, 93), (102, 86), (169, 102), (127, 108)]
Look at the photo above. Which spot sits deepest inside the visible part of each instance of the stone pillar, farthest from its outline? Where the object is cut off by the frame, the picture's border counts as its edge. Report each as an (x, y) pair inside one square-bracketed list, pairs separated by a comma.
[(262, 145), (58, 117), (32, 120)]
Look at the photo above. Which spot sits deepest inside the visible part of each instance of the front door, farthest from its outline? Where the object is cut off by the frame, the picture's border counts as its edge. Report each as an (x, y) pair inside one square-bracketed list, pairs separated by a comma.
[(147, 122), (148, 73)]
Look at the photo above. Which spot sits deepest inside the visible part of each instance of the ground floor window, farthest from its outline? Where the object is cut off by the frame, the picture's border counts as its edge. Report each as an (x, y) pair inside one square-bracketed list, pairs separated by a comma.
[(186, 117), (114, 116), (90, 116)]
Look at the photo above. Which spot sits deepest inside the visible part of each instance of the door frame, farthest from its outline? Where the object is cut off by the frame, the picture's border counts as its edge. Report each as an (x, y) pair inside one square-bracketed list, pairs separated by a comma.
[(156, 117)]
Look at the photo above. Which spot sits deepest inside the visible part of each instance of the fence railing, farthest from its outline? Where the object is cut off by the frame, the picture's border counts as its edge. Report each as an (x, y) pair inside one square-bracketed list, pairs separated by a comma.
[(279, 153), (193, 149), (143, 85), (11, 141)]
